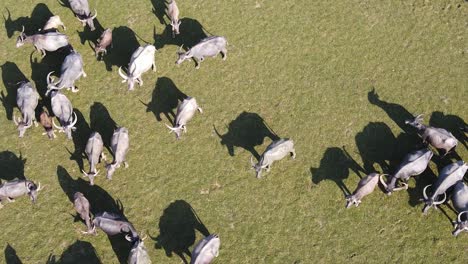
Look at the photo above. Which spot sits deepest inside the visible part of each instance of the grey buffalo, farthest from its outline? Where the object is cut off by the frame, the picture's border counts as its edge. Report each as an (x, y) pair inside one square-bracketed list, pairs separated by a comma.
[(138, 253), (93, 151), (439, 138), (53, 23), (16, 188), (449, 176), (71, 70), (103, 42), (140, 62), (172, 12), (113, 224), (50, 41), (185, 111), (413, 164), (365, 186), (206, 250), (208, 47), (82, 207), (63, 110), (27, 99), (277, 150), (119, 147), (81, 9), (460, 202), (46, 122)]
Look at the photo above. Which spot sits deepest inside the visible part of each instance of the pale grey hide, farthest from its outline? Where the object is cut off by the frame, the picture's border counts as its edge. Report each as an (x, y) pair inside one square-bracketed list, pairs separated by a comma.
[(138, 254), (413, 164), (439, 138), (27, 99), (140, 62), (119, 147), (16, 188), (365, 187), (63, 110), (82, 207), (208, 47), (93, 151), (206, 250), (71, 70), (460, 202), (53, 23), (172, 12), (185, 111), (82, 12), (50, 41), (448, 177), (277, 150), (103, 42), (113, 224)]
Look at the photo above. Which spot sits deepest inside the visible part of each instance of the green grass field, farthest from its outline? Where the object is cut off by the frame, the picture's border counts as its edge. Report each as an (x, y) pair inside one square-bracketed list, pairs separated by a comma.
[(338, 77)]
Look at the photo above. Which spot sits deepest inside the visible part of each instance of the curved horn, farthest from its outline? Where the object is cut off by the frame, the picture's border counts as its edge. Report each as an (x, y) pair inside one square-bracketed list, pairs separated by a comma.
[(173, 129), (128, 237), (49, 79), (180, 48), (122, 74), (39, 186), (84, 173), (424, 192), (57, 127), (252, 161), (28, 126), (441, 201), (404, 187), (460, 214), (383, 181), (14, 120), (74, 121), (95, 14), (22, 31)]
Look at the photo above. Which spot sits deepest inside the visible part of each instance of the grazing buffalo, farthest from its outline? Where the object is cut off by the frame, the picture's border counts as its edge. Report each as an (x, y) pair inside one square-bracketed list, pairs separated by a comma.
[(50, 41), (53, 23), (185, 111), (172, 12), (365, 186), (460, 202), (71, 70), (103, 42), (140, 62), (16, 188), (46, 122), (113, 224), (81, 9), (206, 250), (93, 151), (138, 253), (63, 110), (27, 100), (277, 150), (82, 206), (208, 47), (119, 146)]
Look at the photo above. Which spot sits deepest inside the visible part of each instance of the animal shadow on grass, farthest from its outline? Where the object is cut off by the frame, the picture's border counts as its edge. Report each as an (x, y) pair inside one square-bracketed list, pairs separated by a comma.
[(396, 112), (51, 62), (102, 122), (11, 166), (124, 43), (91, 36), (11, 76), (39, 17), (78, 252), (10, 255), (416, 194), (159, 10), (191, 33), (451, 123), (80, 138), (335, 165), (100, 201), (165, 98), (246, 131), (177, 228)]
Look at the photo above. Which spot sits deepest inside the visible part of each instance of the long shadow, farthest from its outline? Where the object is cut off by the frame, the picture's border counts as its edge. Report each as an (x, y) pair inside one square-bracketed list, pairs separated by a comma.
[(416, 194), (124, 43), (80, 138), (165, 98), (78, 252), (11, 166), (191, 33), (177, 228), (10, 255), (159, 10), (102, 122), (375, 144), (335, 165), (91, 36), (11, 77), (100, 201), (37, 20), (247, 131), (395, 111), (452, 123)]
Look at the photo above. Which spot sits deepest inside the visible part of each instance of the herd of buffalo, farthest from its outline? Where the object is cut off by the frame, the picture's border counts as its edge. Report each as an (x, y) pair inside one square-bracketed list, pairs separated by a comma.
[(450, 182)]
